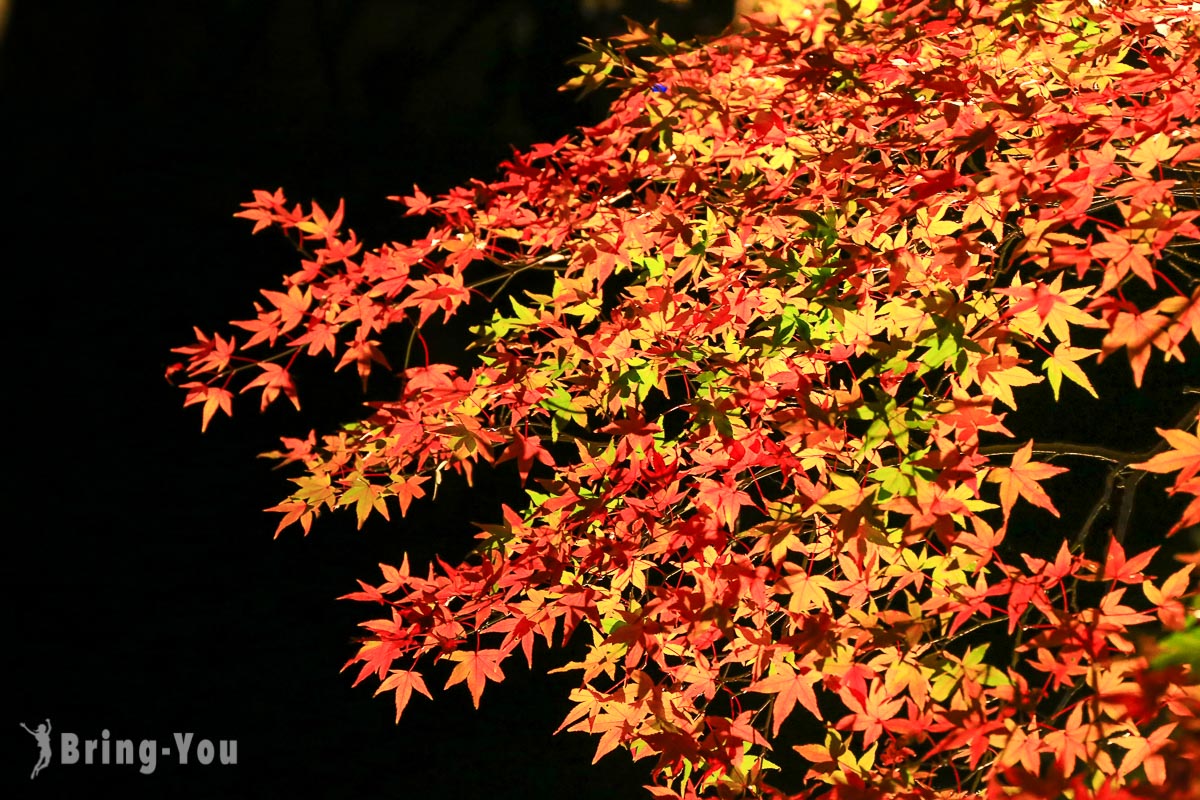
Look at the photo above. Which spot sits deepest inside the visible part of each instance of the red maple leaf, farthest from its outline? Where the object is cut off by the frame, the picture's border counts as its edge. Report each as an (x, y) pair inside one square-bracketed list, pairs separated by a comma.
[(1117, 568)]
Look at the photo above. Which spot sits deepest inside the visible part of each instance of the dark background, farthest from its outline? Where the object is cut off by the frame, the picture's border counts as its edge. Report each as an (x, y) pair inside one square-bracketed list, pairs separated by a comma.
[(147, 595)]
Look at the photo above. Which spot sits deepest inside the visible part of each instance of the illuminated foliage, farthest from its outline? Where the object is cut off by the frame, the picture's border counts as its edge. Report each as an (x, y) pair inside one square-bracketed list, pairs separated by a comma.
[(784, 297)]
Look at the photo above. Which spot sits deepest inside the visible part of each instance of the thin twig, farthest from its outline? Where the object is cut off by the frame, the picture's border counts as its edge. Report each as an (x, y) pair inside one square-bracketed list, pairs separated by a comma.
[(1099, 507)]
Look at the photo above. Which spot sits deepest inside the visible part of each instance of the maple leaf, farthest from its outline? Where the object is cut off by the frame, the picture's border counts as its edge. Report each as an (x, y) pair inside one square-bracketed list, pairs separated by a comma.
[(362, 354), (376, 655), (403, 682), (394, 577), (1000, 379), (213, 397), (873, 713), (1117, 568), (772, 327), (1142, 751), (1191, 514), (274, 379), (419, 203), (807, 591), (366, 497), (262, 217), (615, 723), (1123, 256), (265, 327), (265, 209), (1121, 616), (1153, 150), (1184, 455), (1060, 670), (1055, 306), (1139, 333), (1020, 479), (1166, 601), (321, 226), (320, 336), (208, 355), (292, 306), (526, 450), (723, 499), (437, 292), (406, 489), (789, 687), (293, 511), (476, 667), (1062, 362), (1075, 742)]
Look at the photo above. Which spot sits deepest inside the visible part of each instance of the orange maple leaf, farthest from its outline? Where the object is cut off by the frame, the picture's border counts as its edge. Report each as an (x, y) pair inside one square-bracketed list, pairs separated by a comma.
[(274, 379), (213, 397), (1142, 751), (292, 306), (1140, 333), (403, 681), (437, 292), (476, 667), (321, 226), (788, 686), (1184, 455), (1021, 479), (405, 489)]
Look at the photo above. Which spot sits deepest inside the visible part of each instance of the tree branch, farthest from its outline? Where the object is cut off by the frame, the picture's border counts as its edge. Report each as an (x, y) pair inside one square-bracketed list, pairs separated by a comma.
[(1099, 452), (1098, 507), (1120, 460)]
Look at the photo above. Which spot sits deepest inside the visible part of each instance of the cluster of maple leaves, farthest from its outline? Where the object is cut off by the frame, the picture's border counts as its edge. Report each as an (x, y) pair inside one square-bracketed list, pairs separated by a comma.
[(783, 291)]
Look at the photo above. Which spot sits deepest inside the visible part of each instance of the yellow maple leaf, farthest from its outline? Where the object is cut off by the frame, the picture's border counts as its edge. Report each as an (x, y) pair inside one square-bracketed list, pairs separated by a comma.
[(1062, 364)]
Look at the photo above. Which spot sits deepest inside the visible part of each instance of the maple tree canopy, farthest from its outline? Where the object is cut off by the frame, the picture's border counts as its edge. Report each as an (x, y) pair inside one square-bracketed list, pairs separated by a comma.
[(783, 299)]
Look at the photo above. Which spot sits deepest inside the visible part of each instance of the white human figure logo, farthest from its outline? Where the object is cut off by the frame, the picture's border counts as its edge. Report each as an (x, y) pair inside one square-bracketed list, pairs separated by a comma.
[(42, 734)]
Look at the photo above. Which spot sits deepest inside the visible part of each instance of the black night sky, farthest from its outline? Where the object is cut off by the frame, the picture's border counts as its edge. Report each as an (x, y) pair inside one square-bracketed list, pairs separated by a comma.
[(147, 596)]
